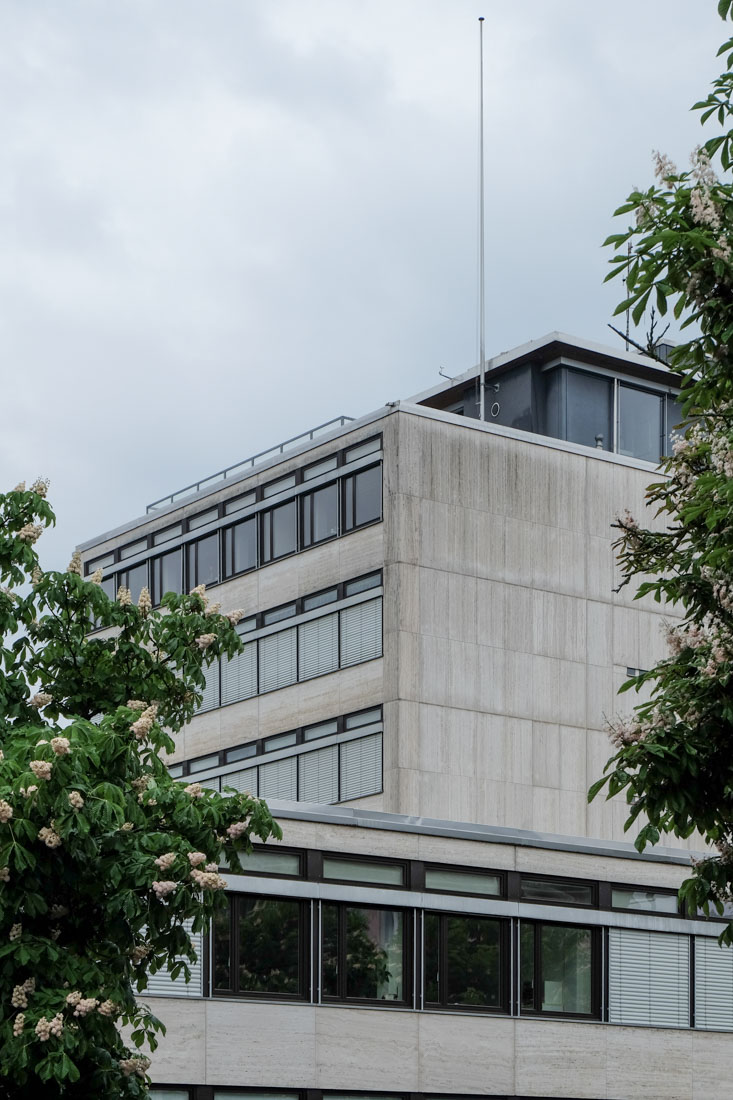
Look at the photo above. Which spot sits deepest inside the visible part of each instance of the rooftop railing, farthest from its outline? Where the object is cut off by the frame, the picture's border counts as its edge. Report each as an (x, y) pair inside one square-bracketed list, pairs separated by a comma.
[(248, 463)]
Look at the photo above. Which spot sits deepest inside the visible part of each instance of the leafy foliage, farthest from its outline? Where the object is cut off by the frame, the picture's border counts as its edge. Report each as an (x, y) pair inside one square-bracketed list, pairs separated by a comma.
[(674, 760), (105, 861)]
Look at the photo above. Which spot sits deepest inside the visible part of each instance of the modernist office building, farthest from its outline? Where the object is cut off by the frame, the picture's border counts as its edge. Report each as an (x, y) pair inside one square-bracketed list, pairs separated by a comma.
[(432, 645)]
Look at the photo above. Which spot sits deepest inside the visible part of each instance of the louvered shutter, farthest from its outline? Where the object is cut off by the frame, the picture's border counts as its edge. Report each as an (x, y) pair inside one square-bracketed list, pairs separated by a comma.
[(318, 779), (713, 985), (280, 779), (648, 978), (239, 675), (245, 780), (162, 985), (211, 784), (361, 767), (361, 632), (318, 647), (211, 691), (278, 665)]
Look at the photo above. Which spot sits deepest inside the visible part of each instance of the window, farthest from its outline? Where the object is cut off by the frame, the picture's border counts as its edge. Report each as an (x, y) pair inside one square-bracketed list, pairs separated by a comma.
[(362, 498), (236, 505), (579, 407), (279, 486), (640, 427), (135, 579), (464, 961), (320, 514), (167, 574), (364, 954), (260, 947), (361, 632), (168, 533), (361, 450), (713, 985), (651, 901), (360, 768), (279, 531), (462, 882), (557, 968), (203, 561), (648, 978), (356, 870), (240, 547), (133, 548), (239, 676), (100, 563), (203, 518), (558, 892), (318, 646), (318, 468), (278, 659), (268, 861)]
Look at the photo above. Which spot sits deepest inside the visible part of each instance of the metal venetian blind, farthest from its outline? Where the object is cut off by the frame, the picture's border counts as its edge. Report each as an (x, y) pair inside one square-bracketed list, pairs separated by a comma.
[(361, 632), (211, 691), (162, 985), (361, 767), (648, 978), (318, 775), (245, 780), (713, 985), (280, 779), (278, 659), (318, 647), (239, 675)]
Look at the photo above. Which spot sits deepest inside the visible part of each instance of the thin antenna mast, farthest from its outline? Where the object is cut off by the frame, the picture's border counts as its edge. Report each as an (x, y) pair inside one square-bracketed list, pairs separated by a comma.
[(481, 291)]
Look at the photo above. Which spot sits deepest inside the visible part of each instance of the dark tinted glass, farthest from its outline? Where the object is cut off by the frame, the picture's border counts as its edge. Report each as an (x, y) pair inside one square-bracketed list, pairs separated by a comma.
[(674, 426), (563, 893), (588, 409), (566, 969), (362, 497), (640, 423), (241, 546), (472, 961), (109, 585), (208, 560), (269, 945), (374, 951), (135, 579), (329, 929), (526, 966), (431, 932), (279, 531), (222, 950), (320, 515), (167, 571)]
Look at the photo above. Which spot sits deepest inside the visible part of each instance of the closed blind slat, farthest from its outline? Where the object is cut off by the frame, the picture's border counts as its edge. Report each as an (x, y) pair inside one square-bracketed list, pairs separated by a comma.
[(162, 985), (210, 697), (361, 632), (245, 780), (648, 978), (280, 779), (361, 767), (318, 647), (239, 675), (278, 663), (318, 776), (713, 985)]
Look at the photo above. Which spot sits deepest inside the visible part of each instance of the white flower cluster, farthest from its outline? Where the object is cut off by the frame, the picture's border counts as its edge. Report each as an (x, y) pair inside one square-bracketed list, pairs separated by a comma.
[(41, 769), (30, 533), (136, 704), (138, 1065), (235, 616), (196, 858), (108, 1008), (57, 911), (124, 596), (6, 811), (96, 577), (239, 828), (40, 699), (208, 879), (40, 486), (140, 952), (213, 610), (626, 731), (200, 590), (28, 791), (204, 641), (76, 800), (195, 790), (144, 602), (74, 565), (16, 932), (46, 1028), (664, 167), (4, 874), (18, 1024), (163, 888), (20, 995), (49, 836), (60, 745), (141, 728), (165, 861)]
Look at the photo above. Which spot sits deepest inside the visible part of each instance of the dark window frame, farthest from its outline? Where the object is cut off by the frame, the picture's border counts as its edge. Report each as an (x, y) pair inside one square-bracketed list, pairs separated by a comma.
[(342, 997), (305, 937), (348, 489), (266, 532), (378, 861), (561, 881), (596, 976), (666, 890), (476, 872), (306, 501), (227, 547), (192, 551), (505, 968), (155, 574)]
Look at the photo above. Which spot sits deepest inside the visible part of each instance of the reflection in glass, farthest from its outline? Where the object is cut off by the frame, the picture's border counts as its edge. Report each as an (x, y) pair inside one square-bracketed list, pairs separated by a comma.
[(526, 966), (329, 949), (167, 574), (135, 579), (563, 893), (269, 945), (363, 497), (566, 969), (470, 973), (320, 515), (640, 423), (240, 546), (353, 870), (363, 953), (462, 882), (222, 949), (279, 531), (207, 571), (588, 409), (650, 900)]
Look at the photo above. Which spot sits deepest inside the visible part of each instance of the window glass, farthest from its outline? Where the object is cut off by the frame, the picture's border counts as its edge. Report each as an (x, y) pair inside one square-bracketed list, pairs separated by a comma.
[(167, 574), (278, 614), (167, 534), (640, 423), (135, 579), (363, 718), (222, 949), (238, 503), (320, 514), (169, 1094), (174, 770), (470, 971), (362, 584), (269, 861), (462, 882), (240, 547), (352, 870), (269, 945), (589, 402), (204, 763), (650, 900), (674, 422), (241, 753), (280, 741), (361, 449), (363, 497), (561, 893), (321, 730), (556, 964), (279, 486), (203, 518), (133, 548), (319, 468), (279, 531), (99, 563), (203, 561), (310, 603), (109, 586), (363, 953)]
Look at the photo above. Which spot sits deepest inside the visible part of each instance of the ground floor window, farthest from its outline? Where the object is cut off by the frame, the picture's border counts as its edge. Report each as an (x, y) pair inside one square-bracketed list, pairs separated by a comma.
[(557, 969)]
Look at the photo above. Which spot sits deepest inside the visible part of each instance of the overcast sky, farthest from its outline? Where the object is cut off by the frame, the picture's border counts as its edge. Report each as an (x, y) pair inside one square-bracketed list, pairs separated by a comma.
[(225, 221)]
